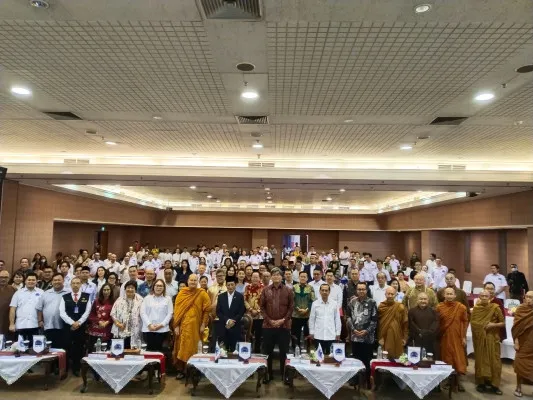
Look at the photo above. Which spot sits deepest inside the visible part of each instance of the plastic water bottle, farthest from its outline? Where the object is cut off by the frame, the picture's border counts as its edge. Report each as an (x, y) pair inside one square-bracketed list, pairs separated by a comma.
[(98, 345), (297, 353), (380, 353), (423, 355), (199, 347)]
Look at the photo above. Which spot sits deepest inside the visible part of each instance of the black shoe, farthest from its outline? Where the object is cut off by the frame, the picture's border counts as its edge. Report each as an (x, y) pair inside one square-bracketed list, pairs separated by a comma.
[(180, 376), (480, 388), (76, 373), (267, 379)]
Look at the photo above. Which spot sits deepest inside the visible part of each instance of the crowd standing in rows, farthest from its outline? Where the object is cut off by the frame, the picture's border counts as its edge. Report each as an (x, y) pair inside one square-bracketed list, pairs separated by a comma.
[(186, 297)]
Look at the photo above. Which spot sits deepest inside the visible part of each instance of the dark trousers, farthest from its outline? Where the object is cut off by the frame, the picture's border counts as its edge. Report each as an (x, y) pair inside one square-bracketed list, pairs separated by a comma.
[(281, 337), (229, 337), (363, 352), (154, 340), (75, 346), (27, 334), (296, 330), (325, 344), (257, 330), (58, 338)]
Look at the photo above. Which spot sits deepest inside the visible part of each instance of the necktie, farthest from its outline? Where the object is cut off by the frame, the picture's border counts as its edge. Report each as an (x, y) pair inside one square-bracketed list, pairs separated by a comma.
[(75, 297)]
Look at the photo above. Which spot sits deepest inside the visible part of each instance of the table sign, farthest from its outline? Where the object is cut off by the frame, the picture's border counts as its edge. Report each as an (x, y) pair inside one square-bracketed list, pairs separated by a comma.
[(349, 362), (300, 361), (339, 351), (39, 342), (413, 354), (98, 356), (1, 342), (319, 355), (198, 359), (21, 344), (133, 357), (441, 367), (117, 347), (227, 361), (245, 351)]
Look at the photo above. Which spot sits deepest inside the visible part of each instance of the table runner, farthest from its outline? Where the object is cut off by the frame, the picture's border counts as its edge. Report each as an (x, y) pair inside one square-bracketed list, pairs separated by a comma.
[(226, 377), (117, 373), (328, 378), (12, 368)]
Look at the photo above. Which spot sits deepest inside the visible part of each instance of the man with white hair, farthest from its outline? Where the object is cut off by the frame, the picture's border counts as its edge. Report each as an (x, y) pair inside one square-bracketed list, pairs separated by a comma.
[(111, 264)]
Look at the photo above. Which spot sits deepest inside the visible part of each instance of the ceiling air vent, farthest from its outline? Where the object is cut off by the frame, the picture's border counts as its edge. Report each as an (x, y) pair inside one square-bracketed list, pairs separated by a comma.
[(62, 115), (451, 167), (78, 161), (448, 120), (248, 10), (252, 120), (252, 206), (270, 206), (257, 164)]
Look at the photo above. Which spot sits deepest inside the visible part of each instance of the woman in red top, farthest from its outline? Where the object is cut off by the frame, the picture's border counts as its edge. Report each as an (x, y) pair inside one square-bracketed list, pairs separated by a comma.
[(100, 322)]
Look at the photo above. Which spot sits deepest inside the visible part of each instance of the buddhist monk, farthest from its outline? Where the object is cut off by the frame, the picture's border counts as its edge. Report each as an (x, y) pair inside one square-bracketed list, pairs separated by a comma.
[(191, 315), (522, 333), (489, 287), (460, 294), (453, 321), (424, 326), (6, 293), (393, 324), (410, 299), (486, 320)]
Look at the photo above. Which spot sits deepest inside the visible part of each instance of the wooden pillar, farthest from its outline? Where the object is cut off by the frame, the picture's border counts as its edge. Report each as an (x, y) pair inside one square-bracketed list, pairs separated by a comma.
[(259, 237)]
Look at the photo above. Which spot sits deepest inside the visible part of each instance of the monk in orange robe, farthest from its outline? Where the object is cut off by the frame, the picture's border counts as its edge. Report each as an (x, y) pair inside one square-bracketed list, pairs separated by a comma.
[(453, 325), (522, 333), (191, 315), (393, 324), (487, 320)]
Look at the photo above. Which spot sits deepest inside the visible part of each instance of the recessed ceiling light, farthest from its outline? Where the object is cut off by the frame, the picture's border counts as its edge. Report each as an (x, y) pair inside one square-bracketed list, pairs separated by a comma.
[(422, 8), (267, 189), (396, 208), (218, 200), (192, 187), (257, 145), (348, 120), (406, 147), (249, 94), (158, 117), (111, 143), (328, 199), (20, 90), (342, 190), (269, 202), (269, 197), (419, 191), (484, 96), (39, 4), (209, 196)]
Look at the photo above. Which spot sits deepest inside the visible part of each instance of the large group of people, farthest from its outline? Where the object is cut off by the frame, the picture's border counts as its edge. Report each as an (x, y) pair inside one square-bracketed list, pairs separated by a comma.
[(178, 300)]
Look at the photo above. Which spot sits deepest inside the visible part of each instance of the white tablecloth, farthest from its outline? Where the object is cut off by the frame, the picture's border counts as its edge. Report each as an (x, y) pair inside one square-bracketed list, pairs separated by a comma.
[(117, 373), (328, 378), (507, 347), (12, 368), (226, 377), (421, 381)]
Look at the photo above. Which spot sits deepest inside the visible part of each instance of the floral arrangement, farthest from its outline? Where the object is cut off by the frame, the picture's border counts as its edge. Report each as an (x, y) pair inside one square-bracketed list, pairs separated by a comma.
[(512, 310), (223, 352), (404, 360), (312, 355)]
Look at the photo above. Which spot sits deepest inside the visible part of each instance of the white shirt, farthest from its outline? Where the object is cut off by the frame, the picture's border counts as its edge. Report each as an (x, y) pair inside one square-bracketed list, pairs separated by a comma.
[(316, 286), (377, 271), (193, 263), (230, 298), (140, 255), (176, 258), (165, 257), (344, 258), (394, 264), (185, 255), (378, 293), (172, 288), (27, 302), (156, 310), (216, 258), (431, 264), (335, 294), (255, 258), (371, 265), (151, 264), (366, 274), (133, 261), (66, 318), (113, 267), (439, 275), (89, 288), (498, 281), (324, 320), (246, 259), (93, 265), (99, 284), (49, 306)]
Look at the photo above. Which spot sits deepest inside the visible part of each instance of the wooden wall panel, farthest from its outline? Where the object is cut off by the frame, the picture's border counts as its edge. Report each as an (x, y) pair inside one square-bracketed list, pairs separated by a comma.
[(483, 253), (380, 244), (8, 221), (412, 243), (189, 237), (517, 248), (508, 210)]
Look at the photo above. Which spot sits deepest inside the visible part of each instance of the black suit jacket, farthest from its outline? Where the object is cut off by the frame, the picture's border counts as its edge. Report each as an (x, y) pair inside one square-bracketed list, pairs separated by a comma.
[(235, 312)]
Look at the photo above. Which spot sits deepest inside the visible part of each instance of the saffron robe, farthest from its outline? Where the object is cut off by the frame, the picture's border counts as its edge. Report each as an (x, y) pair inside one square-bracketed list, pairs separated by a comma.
[(523, 331), (453, 321), (392, 327)]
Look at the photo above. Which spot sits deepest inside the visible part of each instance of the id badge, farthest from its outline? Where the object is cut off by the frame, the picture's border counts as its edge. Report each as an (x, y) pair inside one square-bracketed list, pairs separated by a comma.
[(76, 310)]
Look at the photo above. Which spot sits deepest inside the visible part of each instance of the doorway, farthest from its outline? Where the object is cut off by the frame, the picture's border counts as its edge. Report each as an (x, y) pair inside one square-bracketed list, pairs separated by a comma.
[(101, 243), (291, 241)]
